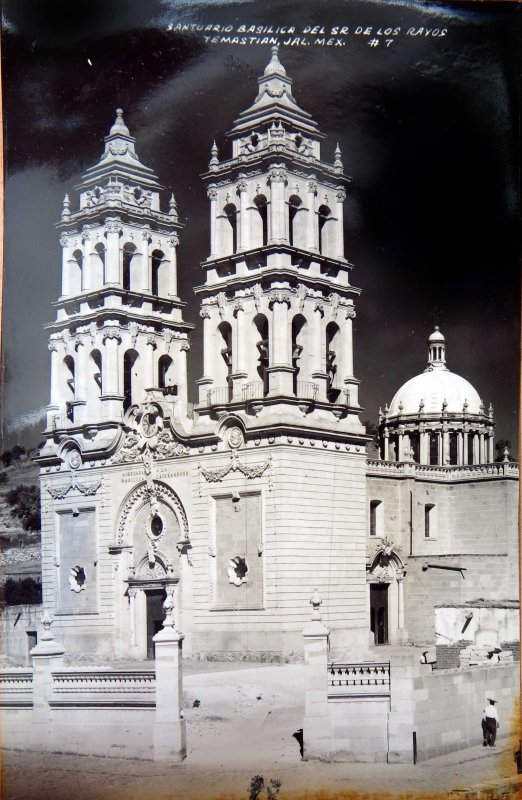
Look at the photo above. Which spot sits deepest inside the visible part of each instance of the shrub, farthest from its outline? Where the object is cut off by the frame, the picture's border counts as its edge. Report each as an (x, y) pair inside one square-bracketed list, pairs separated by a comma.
[(25, 502), (22, 592)]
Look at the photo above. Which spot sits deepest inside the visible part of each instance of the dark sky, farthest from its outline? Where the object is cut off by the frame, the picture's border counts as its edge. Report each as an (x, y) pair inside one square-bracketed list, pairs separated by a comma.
[(427, 127)]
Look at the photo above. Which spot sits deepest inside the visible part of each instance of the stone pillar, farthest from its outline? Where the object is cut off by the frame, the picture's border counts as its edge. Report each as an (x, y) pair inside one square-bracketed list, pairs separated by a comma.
[(340, 197), (149, 366), (482, 457), (347, 343), (172, 243), (400, 447), (67, 251), (80, 382), (316, 722), (424, 447), (212, 196), (206, 382), (465, 447), (56, 392), (401, 720), (277, 180), (403, 636), (459, 449), (47, 656), (319, 375), (491, 452), (146, 266), (280, 370), (184, 347), (239, 372), (132, 615), (386, 445), (86, 263), (169, 727), (445, 446), (113, 268), (244, 226), (111, 397), (312, 230)]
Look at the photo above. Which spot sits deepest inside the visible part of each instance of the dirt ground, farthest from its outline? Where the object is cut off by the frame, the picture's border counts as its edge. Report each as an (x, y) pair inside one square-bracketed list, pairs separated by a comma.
[(244, 725)]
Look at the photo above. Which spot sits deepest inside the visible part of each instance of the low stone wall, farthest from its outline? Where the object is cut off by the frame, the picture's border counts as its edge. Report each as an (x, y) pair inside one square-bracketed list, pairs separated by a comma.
[(120, 713), (20, 629)]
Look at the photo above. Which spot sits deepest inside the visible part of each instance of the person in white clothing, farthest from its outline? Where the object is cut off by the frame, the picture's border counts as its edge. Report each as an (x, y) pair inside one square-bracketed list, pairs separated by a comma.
[(490, 723)]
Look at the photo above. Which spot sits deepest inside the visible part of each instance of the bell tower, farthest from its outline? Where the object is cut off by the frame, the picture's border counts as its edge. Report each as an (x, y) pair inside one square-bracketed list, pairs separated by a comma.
[(119, 330), (277, 302)]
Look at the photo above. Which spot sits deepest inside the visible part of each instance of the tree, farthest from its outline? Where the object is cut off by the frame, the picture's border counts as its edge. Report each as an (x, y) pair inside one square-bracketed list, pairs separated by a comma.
[(25, 502)]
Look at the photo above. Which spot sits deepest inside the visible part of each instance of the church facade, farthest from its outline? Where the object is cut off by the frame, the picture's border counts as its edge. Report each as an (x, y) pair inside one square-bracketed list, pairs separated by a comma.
[(240, 506)]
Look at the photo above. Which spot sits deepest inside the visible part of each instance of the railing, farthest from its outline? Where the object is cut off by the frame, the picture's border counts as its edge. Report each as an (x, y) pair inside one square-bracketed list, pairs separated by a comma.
[(307, 390), (16, 682), (105, 681), (61, 421), (448, 472), (219, 396), (253, 390), (359, 679)]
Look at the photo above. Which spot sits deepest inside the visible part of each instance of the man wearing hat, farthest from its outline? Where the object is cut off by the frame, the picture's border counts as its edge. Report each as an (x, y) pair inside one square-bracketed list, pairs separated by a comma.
[(490, 721)]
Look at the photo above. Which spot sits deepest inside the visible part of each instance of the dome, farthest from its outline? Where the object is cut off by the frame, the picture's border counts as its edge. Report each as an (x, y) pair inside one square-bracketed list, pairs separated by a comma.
[(433, 388), (437, 389)]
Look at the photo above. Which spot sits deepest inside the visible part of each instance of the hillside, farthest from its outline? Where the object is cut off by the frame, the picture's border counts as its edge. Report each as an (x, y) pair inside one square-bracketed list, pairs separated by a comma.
[(19, 549)]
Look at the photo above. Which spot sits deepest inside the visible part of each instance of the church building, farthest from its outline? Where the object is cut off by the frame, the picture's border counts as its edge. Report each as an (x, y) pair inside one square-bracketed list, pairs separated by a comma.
[(240, 505)]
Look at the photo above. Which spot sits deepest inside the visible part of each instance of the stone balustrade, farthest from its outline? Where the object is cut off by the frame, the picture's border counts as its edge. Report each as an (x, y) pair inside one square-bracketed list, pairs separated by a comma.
[(448, 473)]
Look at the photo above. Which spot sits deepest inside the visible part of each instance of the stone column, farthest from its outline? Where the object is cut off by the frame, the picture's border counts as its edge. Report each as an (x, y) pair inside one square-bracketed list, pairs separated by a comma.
[(169, 727), (460, 449), (347, 343), (340, 197), (149, 366), (400, 591), (445, 445), (319, 375), (280, 370), (172, 243), (386, 445), (86, 263), (146, 267), (316, 722), (184, 347), (80, 382), (113, 266), (244, 227), (56, 389), (277, 181), (212, 196), (132, 614), (491, 452), (312, 230), (111, 397), (465, 447), (400, 446), (424, 447), (206, 382), (67, 251), (47, 656), (482, 458), (239, 372)]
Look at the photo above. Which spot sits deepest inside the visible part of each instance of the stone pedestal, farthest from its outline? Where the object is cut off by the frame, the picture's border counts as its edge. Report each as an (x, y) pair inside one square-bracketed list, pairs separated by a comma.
[(169, 727), (316, 722), (47, 657)]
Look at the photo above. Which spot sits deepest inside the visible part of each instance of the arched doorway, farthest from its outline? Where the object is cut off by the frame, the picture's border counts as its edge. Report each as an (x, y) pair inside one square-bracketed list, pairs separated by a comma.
[(385, 578)]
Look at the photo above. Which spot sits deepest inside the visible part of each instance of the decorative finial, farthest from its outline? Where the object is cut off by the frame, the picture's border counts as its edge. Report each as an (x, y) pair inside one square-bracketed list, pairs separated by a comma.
[(465, 406), (47, 621), (338, 164), (169, 606), (401, 407), (490, 411), (316, 602), (173, 209), (481, 408), (380, 413), (444, 405), (386, 410), (214, 160), (421, 406), (119, 126), (274, 66), (506, 455), (66, 206)]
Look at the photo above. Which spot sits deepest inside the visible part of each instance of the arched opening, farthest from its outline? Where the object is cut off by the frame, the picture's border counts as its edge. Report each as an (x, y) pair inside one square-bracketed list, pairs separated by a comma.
[(76, 274), (453, 449), (332, 344), (325, 218), (69, 370), (130, 275), (94, 388), (159, 267), (98, 266), (130, 376), (166, 376), (226, 352), (298, 356), (231, 239), (434, 448), (260, 232), (262, 344), (295, 221)]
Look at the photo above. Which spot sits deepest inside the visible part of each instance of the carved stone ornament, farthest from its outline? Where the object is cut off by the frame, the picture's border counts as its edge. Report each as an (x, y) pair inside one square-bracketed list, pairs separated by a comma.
[(145, 493), (212, 194), (149, 439), (222, 303), (277, 176), (258, 295), (350, 312), (334, 303), (74, 459), (280, 296), (237, 570), (249, 471), (302, 292), (113, 227), (87, 488), (184, 345), (111, 333), (204, 312), (235, 438)]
